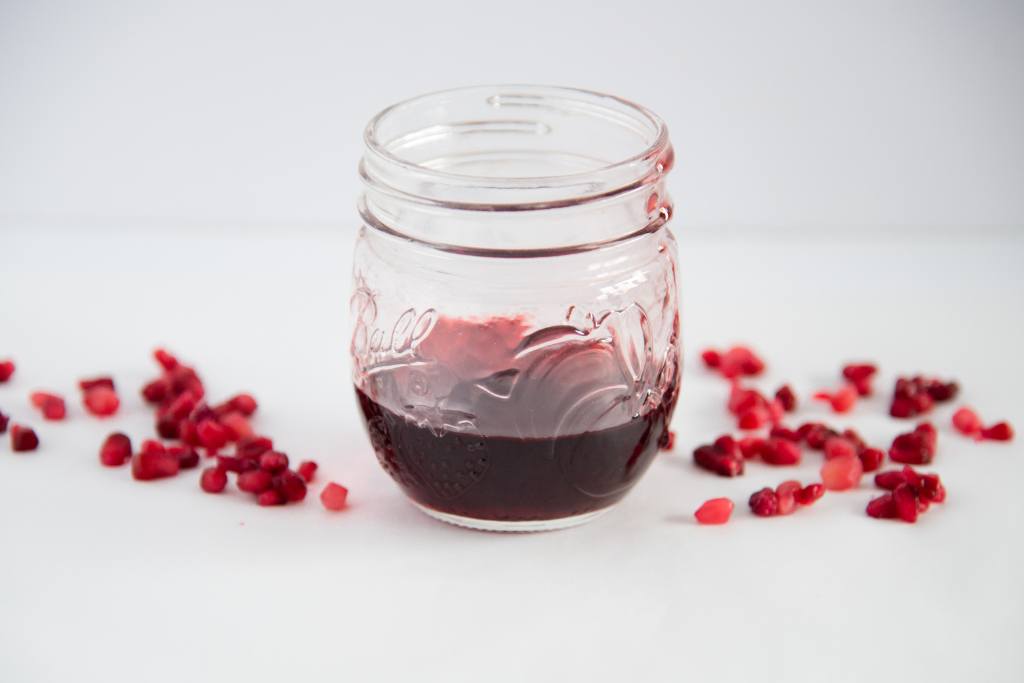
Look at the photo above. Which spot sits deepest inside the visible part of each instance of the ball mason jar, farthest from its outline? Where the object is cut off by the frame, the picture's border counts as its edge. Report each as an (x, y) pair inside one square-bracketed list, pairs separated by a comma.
[(515, 342)]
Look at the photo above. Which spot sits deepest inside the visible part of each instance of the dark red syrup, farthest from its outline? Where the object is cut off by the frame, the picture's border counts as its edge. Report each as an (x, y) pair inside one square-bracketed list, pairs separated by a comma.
[(550, 437)]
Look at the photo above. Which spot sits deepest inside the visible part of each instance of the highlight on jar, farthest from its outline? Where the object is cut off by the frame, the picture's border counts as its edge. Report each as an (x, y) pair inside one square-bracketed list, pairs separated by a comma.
[(515, 324)]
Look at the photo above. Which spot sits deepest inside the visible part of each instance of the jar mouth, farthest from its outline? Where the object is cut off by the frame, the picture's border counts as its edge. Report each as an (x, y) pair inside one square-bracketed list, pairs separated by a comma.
[(513, 148)]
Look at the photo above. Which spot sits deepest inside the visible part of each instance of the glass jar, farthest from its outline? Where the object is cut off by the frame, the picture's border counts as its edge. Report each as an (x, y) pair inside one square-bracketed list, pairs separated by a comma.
[(515, 338)]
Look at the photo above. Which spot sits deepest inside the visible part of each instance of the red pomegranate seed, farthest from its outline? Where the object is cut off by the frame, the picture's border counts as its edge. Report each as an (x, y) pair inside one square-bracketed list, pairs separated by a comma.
[(753, 418), (780, 432), (168, 427), (871, 459), (253, 446), (751, 446), (667, 441), (4, 420), (839, 447), (187, 456), (967, 422), (153, 464), (781, 452), (334, 496), (883, 507), (776, 412), (95, 383), (188, 433), (254, 481), (841, 401), (860, 376), (714, 511), (815, 434), (213, 480), (740, 360), (270, 497), (914, 448), (786, 398), (840, 474), (711, 458), (890, 479), (237, 426), (711, 358), (272, 461), (244, 404), (166, 360), (50, 405), (182, 406), (6, 370), (153, 447), (742, 399), (916, 395), (809, 494), (764, 503), (212, 435), (101, 401), (116, 450), (290, 485), (307, 470), (23, 439), (785, 493), (1000, 431), (236, 464), (905, 499), (156, 391)]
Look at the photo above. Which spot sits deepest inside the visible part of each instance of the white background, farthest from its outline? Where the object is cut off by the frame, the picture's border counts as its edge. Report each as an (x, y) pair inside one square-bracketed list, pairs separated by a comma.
[(849, 186)]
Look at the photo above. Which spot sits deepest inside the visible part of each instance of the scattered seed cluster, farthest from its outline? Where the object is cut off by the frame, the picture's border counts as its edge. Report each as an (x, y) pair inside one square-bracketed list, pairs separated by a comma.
[(847, 457), (182, 416)]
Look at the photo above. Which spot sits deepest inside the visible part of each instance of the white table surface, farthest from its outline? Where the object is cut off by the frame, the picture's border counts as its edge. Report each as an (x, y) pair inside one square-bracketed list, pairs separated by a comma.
[(106, 579)]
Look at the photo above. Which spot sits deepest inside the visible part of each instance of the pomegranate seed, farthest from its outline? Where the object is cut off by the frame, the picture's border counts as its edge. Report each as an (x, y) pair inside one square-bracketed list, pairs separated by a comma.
[(116, 450), (764, 503), (781, 452), (809, 494), (188, 433), (860, 375), (871, 459), (890, 479), (244, 404), (941, 392), (775, 412), (785, 493), (714, 511), (101, 401), (182, 406), (237, 464), (290, 485), (905, 499), (168, 427), (751, 446), (928, 434), (883, 507), (307, 470), (4, 420), (212, 434), (916, 395), (213, 480), (840, 474), (334, 496), (741, 400), (914, 448), (711, 358), (254, 481), (842, 400), (166, 360), (95, 383), (1000, 431), (23, 439), (237, 426), (187, 456), (50, 405), (6, 370), (715, 460), (815, 434), (967, 422), (786, 398), (754, 418), (153, 464), (668, 440), (780, 432), (270, 497), (153, 447), (253, 446), (272, 461), (839, 447), (156, 391)]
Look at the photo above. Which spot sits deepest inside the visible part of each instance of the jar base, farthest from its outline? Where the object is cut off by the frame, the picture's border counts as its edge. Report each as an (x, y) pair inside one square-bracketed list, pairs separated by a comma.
[(512, 527)]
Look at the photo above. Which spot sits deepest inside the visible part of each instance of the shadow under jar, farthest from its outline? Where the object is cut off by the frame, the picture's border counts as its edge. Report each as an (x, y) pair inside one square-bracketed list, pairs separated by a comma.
[(515, 314)]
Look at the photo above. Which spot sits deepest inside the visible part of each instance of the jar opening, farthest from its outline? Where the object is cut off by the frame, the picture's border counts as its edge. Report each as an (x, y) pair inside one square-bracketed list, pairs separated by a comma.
[(513, 147)]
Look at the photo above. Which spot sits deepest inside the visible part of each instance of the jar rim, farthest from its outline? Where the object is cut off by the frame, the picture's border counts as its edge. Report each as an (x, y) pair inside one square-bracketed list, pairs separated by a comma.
[(385, 169)]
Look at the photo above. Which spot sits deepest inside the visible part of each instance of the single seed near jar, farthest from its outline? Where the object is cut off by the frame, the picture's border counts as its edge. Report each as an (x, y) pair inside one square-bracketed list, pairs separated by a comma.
[(116, 450), (714, 511), (213, 480), (334, 496), (23, 439), (307, 470)]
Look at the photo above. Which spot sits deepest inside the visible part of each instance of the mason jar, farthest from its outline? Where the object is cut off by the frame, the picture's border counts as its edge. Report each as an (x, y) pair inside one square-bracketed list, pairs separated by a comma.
[(515, 344)]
